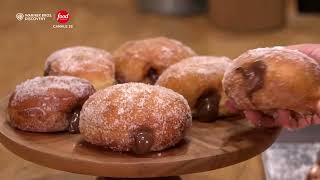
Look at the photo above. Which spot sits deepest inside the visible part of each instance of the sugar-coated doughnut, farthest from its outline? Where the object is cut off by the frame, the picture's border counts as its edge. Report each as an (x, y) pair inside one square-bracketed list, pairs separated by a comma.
[(144, 60), (135, 117), (93, 64), (266, 79), (48, 104), (199, 80)]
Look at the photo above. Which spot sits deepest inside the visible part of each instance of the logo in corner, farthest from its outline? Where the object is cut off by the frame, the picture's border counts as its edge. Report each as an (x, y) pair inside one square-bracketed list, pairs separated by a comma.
[(62, 16), (19, 16)]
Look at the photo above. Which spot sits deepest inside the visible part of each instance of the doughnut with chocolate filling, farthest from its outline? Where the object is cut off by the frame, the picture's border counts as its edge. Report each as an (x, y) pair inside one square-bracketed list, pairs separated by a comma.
[(135, 117), (199, 80), (273, 79), (48, 104), (144, 60), (93, 64)]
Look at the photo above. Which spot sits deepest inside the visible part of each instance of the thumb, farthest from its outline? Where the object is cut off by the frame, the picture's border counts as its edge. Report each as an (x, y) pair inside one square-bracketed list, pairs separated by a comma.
[(312, 50)]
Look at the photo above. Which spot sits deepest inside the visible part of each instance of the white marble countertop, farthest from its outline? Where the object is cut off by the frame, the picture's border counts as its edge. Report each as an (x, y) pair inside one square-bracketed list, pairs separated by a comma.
[(290, 160)]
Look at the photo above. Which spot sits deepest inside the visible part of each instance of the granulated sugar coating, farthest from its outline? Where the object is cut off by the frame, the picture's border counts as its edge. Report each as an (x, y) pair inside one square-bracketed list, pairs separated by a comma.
[(197, 65), (280, 51), (93, 64), (39, 86), (76, 58), (114, 116)]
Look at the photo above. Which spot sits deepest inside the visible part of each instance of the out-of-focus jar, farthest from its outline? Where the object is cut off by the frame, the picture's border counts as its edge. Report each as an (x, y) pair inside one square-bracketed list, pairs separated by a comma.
[(173, 7), (248, 15)]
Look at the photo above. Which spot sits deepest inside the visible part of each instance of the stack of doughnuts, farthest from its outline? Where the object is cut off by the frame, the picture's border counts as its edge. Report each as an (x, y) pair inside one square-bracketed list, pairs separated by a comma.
[(150, 90), (131, 117)]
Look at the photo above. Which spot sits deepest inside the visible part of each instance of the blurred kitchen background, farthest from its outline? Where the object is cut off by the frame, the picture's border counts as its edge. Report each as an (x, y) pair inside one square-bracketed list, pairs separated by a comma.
[(214, 27)]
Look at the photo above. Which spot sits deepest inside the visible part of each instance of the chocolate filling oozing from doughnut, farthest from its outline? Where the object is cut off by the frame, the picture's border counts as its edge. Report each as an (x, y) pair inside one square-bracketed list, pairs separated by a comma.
[(152, 76), (254, 76), (120, 79), (143, 141), (47, 70), (207, 106), (74, 121)]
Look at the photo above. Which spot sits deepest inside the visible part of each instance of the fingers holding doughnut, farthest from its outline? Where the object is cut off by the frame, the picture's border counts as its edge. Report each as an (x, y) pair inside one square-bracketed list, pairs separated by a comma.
[(312, 50), (275, 79)]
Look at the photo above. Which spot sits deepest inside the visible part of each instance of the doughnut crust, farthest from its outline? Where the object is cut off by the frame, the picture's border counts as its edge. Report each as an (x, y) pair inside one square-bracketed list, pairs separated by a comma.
[(46, 104), (197, 77), (135, 117), (93, 64), (144, 60), (273, 78)]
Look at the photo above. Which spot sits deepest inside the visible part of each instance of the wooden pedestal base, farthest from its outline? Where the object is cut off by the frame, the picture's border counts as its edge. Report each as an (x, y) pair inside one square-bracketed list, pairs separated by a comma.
[(156, 178), (208, 146)]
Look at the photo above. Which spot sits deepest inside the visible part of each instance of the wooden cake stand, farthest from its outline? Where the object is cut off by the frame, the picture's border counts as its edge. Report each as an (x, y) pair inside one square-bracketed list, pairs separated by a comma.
[(208, 146)]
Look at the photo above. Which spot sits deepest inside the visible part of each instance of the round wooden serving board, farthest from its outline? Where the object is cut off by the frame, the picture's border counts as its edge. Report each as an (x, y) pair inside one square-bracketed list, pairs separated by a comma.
[(208, 146)]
